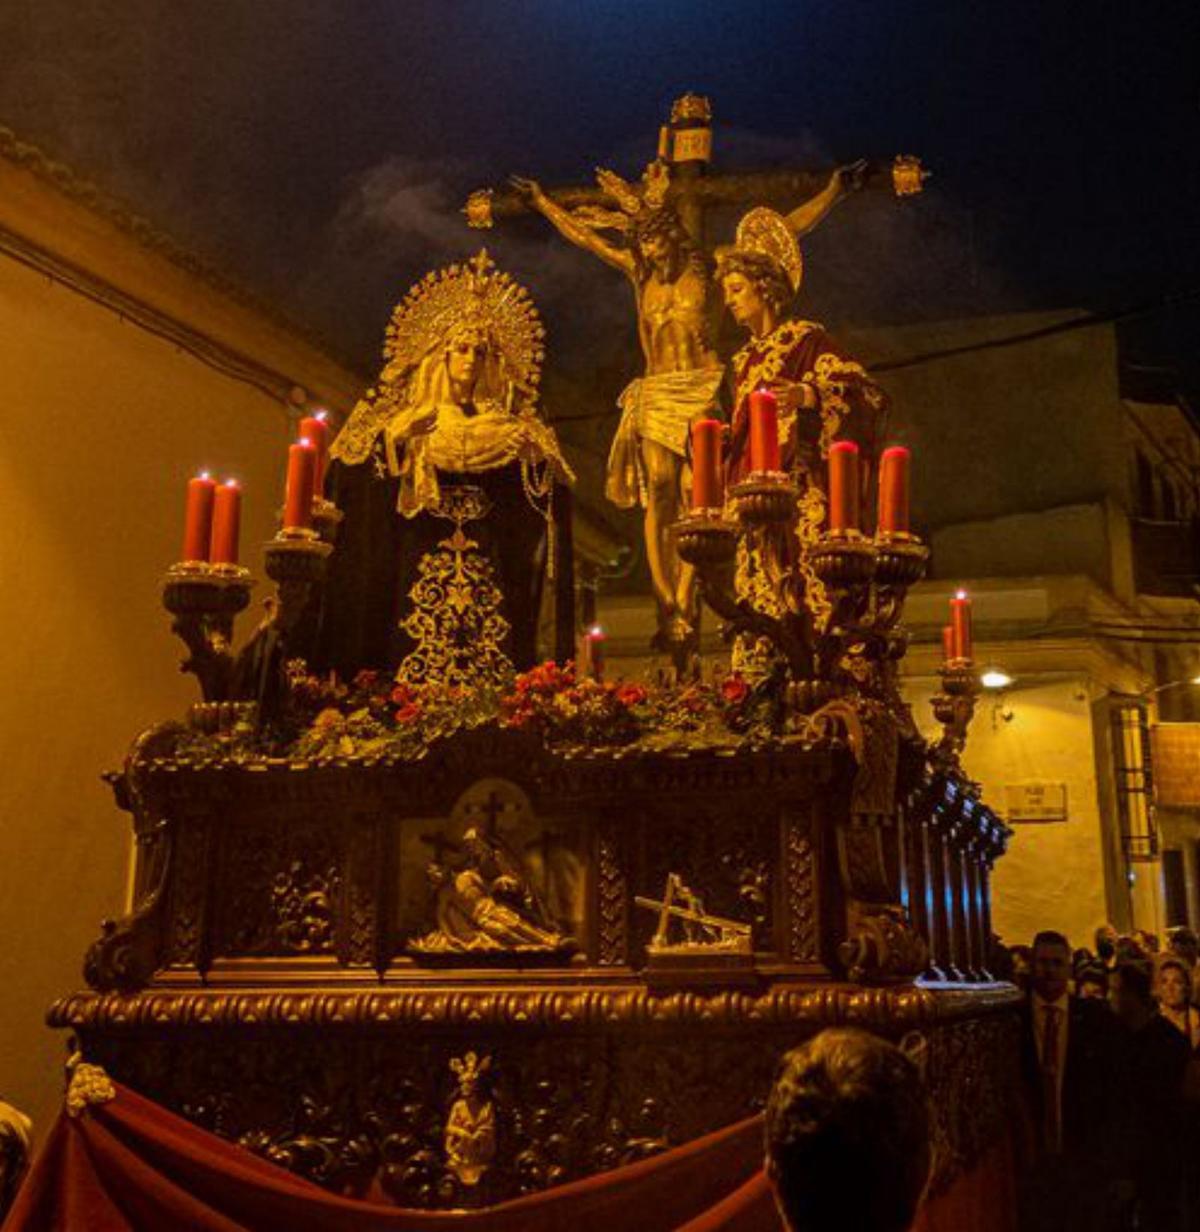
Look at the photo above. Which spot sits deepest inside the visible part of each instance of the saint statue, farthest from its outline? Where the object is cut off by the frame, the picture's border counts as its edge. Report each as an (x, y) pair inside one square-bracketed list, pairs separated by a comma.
[(823, 394), (451, 434), (674, 292), (470, 1137)]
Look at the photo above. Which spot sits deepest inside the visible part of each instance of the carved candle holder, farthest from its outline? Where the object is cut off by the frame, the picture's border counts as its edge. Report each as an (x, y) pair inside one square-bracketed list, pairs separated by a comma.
[(705, 537), (844, 560), (204, 599), (954, 708), (765, 498), (295, 560), (900, 559)]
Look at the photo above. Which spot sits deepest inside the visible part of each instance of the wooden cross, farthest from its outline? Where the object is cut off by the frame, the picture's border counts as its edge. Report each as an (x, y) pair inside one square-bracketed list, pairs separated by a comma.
[(685, 145), (492, 809)]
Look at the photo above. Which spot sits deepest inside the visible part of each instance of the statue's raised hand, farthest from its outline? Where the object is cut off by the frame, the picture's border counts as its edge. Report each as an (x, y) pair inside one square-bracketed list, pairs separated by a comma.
[(851, 177), (530, 190)]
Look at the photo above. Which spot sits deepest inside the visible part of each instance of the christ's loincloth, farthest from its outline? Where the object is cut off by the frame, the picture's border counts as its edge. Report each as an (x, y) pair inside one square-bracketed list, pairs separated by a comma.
[(662, 409)]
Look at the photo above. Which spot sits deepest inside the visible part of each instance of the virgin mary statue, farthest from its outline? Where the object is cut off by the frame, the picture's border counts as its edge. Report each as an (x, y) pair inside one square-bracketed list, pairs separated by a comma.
[(445, 464)]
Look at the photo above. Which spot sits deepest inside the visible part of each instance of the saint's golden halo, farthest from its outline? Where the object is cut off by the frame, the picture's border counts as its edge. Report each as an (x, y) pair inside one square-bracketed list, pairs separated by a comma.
[(764, 232), (471, 294)]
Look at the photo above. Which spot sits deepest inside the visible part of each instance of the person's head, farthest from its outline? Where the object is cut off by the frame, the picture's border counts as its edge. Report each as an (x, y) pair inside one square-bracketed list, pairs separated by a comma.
[(661, 244), (1174, 984), (755, 289), (1106, 941), (1147, 942), (1091, 982), (466, 351), (1184, 944), (847, 1106), (1133, 993), (1050, 965), (1129, 950)]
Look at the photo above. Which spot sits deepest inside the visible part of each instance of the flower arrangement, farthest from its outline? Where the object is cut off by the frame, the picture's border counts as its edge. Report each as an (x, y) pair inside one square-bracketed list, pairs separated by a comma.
[(373, 715)]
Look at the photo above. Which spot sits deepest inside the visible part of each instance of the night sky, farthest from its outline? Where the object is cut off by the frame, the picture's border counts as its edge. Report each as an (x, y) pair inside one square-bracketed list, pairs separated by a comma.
[(319, 149)]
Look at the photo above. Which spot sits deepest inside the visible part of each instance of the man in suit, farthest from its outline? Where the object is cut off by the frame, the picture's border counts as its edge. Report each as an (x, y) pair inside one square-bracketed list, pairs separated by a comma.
[(1070, 1062)]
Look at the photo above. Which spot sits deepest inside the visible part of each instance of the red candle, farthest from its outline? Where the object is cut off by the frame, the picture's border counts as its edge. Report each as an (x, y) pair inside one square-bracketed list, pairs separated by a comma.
[(844, 495), (764, 431), (893, 490), (198, 516), (708, 483), (302, 470), (226, 523), (960, 623), (947, 642), (315, 428), (594, 641)]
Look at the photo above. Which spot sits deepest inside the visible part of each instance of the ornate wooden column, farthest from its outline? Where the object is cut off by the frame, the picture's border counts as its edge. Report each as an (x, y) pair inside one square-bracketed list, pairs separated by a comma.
[(946, 820), (935, 895)]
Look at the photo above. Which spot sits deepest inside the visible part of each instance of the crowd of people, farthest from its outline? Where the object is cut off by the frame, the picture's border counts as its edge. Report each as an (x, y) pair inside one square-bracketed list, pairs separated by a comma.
[(1107, 1134), (1112, 1076)]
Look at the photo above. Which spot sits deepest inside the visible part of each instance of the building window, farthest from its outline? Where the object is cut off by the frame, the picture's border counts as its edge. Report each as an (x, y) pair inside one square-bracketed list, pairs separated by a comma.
[(1131, 767), (1175, 887), (1170, 506), (1145, 485)]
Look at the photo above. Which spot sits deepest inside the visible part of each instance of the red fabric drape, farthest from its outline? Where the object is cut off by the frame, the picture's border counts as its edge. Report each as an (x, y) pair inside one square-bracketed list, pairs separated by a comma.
[(132, 1166)]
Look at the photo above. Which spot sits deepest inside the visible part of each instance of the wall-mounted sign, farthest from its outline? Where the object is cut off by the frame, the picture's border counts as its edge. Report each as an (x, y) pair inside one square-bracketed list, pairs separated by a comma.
[(1175, 753), (1036, 802)]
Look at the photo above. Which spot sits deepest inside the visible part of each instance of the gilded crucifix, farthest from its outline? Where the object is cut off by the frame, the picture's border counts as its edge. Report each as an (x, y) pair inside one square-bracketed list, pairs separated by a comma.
[(653, 232)]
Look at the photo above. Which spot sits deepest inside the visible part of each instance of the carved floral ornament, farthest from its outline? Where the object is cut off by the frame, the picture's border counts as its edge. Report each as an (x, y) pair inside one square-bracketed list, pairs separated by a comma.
[(523, 1009)]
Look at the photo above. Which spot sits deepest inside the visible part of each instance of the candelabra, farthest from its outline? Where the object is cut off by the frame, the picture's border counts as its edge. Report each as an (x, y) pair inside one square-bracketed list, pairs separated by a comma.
[(865, 582), (954, 708), (204, 599)]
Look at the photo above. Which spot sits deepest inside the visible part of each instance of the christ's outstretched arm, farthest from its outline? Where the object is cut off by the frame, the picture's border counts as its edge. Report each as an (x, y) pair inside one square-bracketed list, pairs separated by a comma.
[(570, 228), (842, 183)]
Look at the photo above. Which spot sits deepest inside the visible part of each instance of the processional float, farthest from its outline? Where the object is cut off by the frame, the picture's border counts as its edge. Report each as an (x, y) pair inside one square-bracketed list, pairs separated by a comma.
[(456, 943)]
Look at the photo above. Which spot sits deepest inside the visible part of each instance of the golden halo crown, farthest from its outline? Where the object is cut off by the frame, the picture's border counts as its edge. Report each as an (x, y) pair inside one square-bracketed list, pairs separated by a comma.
[(764, 232), (471, 295), (471, 1067)]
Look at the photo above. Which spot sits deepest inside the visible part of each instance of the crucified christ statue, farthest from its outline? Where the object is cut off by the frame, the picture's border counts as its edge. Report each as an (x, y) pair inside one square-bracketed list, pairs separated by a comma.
[(652, 232), (674, 293)]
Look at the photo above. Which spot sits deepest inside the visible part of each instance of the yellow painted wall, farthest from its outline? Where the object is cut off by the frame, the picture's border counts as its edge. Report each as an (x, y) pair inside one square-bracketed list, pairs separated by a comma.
[(1053, 874), (100, 425)]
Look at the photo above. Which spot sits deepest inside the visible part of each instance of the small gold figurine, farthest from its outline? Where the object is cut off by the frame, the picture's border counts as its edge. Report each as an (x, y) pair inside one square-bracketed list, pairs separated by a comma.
[(479, 210), (471, 1126), (908, 176)]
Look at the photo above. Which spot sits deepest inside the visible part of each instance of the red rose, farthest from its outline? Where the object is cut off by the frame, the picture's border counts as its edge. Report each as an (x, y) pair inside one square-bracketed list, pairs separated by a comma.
[(401, 695), (408, 713), (734, 690), (631, 694)]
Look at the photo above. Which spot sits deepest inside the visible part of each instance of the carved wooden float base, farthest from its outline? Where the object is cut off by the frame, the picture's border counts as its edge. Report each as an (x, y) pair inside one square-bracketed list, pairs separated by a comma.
[(353, 1086)]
